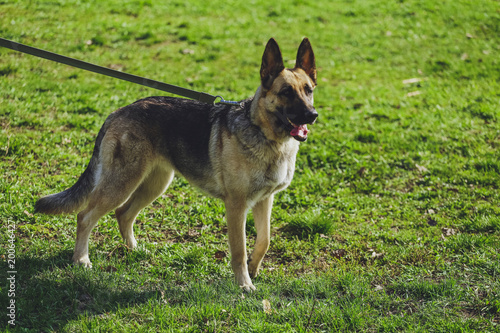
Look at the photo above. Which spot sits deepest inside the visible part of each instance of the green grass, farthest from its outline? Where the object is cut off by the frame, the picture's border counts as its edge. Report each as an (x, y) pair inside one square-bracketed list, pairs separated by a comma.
[(391, 224)]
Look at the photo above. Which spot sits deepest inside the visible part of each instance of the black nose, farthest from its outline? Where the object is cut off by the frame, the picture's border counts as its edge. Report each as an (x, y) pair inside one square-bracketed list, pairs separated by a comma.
[(311, 116)]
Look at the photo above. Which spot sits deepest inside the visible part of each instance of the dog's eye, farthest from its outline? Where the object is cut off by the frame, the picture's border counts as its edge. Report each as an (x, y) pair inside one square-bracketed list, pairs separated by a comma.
[(288, 93), (308, 89)]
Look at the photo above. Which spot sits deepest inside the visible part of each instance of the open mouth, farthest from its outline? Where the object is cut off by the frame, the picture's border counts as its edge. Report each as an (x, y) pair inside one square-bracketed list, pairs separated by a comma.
[(299, 132)]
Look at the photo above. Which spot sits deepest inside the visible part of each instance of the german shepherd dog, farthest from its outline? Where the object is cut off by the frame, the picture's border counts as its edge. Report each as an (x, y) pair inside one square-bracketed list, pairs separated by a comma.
[(240, 154)]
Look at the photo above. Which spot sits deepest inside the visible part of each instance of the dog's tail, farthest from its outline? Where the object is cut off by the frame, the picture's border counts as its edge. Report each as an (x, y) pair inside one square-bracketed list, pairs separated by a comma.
[(75, 198)]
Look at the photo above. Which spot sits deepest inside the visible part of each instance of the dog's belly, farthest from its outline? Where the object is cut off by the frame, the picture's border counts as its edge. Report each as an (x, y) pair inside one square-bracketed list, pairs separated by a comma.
[(253, 183), (208, 185)]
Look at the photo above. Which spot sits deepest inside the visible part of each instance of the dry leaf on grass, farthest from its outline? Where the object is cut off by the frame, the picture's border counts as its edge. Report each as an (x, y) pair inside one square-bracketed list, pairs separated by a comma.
[(339, 253), (447, 232), (414, 80), (220, 255), (413, 93), (266, 306)]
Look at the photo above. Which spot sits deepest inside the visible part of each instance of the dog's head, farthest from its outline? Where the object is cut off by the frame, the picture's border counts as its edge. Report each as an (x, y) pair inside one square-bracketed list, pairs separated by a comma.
[(288, 93)]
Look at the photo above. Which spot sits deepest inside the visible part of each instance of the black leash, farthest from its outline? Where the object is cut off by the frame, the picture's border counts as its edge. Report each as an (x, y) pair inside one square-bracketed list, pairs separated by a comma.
[(192, 94)]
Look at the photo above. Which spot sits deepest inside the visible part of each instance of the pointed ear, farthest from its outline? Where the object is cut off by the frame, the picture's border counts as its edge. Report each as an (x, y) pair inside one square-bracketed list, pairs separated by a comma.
[(305, 59), (272, 64)]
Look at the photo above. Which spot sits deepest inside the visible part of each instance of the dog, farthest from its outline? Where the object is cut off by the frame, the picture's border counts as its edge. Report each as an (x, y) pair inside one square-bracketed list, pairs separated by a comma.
[(242, 155)]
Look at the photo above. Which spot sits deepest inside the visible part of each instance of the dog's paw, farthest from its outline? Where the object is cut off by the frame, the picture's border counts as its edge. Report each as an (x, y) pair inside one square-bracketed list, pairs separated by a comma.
[(131, 243), (84, 262), (141, 248), (244, 281), (254, 266), (248, 287), (253, 269)]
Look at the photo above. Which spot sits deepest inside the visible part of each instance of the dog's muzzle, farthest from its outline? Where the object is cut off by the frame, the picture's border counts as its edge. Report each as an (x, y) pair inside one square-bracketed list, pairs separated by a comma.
[(298, 129)]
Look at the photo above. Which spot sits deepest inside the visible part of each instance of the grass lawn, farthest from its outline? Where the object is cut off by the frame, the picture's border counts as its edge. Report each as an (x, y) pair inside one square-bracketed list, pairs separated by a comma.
[(391, 224)]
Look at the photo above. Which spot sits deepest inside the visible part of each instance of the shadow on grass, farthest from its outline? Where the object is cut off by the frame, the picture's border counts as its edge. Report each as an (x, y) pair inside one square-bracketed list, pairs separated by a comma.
[(51, 292)]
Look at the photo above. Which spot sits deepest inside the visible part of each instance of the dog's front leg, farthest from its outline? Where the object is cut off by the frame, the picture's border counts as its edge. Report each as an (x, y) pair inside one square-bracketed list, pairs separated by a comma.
[(236, 214), (262, 217)]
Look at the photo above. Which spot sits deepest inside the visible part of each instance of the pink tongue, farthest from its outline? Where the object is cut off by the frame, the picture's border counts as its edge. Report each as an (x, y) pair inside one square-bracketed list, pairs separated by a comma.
[(300, 131)]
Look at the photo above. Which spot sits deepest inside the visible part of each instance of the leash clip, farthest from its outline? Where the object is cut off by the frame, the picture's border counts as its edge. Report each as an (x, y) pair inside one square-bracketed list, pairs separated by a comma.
[(224, 102)]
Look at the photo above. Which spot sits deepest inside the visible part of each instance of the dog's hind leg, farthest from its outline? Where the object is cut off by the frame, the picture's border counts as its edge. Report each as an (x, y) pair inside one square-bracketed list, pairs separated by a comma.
[(121, 169), (86, 221), (108, 194), (262, 216), (151, 188)]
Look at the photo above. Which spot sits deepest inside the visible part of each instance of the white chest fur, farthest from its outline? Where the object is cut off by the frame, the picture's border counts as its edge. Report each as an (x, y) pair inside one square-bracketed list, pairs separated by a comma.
[(275, 174)]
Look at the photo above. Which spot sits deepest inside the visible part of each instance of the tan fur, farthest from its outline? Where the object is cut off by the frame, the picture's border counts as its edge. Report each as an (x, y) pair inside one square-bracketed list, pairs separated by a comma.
[(249, 157)]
